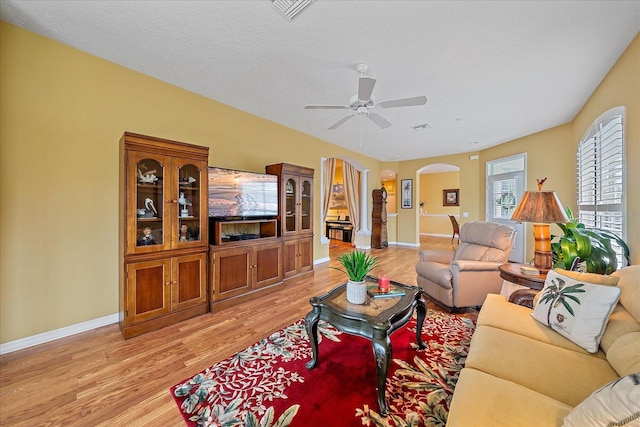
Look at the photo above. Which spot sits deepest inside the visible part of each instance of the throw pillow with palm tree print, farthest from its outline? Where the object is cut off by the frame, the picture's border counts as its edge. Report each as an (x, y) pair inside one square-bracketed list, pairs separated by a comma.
[(576, 309)]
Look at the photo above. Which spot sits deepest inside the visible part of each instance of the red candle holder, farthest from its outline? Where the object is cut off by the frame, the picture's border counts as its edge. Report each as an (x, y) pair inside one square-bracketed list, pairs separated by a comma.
[(383, 284)]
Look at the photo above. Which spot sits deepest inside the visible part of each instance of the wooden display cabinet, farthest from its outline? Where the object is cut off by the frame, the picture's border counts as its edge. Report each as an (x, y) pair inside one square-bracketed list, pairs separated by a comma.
[(163, 232), (295, 216), (295, 191), (298, 256), (243, 269)]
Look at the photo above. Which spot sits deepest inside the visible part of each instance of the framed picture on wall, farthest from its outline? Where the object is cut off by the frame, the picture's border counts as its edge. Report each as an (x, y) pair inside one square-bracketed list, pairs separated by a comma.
[(451, 197), (337, 199), (406, 185)]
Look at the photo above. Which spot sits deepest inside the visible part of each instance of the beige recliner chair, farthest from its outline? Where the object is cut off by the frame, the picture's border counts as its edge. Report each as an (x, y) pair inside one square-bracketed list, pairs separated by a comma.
[(464, 277)]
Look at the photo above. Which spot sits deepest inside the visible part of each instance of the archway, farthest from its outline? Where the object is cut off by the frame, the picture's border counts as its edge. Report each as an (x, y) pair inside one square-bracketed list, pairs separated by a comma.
[(361, 231), (437, 197)]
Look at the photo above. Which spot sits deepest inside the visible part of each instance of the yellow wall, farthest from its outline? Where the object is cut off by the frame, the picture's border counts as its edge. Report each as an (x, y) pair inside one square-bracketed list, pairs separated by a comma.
[(391, 187), (559, 168), (408, 232), (551, 153), (434, 219), (621, 87), (63, 111)]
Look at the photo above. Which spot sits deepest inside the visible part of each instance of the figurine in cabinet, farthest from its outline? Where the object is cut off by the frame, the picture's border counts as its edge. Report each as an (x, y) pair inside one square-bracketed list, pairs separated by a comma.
[(146, 238), (147, 177), (184, 203), (148, 204), (184, 236)]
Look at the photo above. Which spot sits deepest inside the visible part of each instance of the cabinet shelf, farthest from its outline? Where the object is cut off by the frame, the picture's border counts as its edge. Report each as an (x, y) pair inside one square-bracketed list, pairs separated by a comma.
[(241, 231)]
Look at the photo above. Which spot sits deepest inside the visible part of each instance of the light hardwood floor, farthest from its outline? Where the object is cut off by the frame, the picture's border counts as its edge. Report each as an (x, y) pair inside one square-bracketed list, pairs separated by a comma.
[(98, 379)]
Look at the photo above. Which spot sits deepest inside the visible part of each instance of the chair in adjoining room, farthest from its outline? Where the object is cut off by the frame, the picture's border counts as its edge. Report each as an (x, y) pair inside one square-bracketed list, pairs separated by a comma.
[(456, 228), (463, 278)]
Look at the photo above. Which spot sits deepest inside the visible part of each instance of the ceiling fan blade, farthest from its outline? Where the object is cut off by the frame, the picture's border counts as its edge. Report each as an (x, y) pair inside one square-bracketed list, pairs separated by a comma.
[(404, 102), (379, 120), (365, 87), (326, 107), (341, 121)]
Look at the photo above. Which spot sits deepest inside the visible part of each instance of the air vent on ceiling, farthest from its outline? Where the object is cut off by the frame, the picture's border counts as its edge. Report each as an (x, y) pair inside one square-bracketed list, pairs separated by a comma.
[(290, 8), (421, 127)]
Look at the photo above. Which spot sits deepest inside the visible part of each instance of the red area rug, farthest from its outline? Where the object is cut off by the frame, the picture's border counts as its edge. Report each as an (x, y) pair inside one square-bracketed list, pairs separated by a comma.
[(268, 384)]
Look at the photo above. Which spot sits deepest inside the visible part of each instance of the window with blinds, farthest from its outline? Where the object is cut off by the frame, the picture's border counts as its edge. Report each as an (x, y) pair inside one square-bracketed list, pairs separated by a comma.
[(601, 189)]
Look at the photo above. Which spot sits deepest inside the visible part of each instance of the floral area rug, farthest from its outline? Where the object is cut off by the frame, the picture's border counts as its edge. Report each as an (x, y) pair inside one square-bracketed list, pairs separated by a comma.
[(268, 385)]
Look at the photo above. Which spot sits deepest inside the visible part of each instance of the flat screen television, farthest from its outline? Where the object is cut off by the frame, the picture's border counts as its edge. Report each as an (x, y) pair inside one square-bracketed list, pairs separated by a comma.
[(239, 194)]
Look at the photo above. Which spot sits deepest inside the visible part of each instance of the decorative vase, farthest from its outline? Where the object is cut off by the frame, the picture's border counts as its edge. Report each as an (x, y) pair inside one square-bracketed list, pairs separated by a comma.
[(356, 292)]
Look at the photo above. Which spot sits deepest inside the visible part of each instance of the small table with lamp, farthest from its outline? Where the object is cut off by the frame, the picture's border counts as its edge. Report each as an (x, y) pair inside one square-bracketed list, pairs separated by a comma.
[(521, 287), (542, 207)]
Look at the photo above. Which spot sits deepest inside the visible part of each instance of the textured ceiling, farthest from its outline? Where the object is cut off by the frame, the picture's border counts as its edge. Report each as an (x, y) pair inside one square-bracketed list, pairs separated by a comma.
[(492, 71)]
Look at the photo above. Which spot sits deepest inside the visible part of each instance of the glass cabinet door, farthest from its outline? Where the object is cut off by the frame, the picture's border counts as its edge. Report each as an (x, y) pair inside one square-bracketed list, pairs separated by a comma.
[(291, 202), (189, 209), (305, 200), (147, 232)]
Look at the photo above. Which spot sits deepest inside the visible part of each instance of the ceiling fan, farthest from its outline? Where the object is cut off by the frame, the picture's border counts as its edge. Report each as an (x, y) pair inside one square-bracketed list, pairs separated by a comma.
[(363, 102)]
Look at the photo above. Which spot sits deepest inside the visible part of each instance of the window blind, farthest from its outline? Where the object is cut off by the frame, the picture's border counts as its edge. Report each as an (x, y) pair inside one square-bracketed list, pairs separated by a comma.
[(600, 167)]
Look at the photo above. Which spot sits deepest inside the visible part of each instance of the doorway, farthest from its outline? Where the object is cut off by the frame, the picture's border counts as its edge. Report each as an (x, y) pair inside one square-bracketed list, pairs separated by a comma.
[(350, 209), (505, 186)]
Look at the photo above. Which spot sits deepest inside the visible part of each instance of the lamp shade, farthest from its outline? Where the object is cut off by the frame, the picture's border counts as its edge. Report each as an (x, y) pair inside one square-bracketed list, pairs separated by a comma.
[(542, 206)]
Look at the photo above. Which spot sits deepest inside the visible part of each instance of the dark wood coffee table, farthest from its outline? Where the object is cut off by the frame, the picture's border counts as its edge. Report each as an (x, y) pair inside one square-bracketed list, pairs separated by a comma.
[(375, 320)]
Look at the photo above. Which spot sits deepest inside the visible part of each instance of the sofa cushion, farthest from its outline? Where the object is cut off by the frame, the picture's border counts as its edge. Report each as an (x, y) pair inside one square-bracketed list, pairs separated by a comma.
[(578, 310), (596, 279), (481, 399), (621, 322), (630, 284), (544, 368), (617, 403), (500, 313), (624, 354)]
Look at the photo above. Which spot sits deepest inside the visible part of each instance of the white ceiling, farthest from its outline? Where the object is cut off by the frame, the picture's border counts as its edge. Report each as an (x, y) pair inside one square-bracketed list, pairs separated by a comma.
[(492, 70)]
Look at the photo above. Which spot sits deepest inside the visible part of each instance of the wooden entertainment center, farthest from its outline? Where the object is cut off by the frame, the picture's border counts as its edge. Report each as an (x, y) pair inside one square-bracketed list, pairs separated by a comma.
[(173, 266), (278, 249)]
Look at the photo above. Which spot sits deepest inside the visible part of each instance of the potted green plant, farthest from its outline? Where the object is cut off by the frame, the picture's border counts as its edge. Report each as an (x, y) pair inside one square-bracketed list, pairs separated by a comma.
[(590, 246), (356, 265)]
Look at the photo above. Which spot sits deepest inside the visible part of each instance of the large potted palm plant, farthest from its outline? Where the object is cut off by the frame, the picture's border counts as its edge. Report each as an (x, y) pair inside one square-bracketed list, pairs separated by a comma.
[(591, 247), (357, 265)]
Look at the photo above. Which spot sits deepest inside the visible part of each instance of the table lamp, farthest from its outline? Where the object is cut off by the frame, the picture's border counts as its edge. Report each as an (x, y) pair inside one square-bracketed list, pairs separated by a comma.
[(542, 208)]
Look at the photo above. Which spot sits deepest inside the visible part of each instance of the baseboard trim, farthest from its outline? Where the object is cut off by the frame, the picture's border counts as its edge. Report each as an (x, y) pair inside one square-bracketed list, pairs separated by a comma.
[(435, 235), (321, 260), (413, 245), (48, 336)]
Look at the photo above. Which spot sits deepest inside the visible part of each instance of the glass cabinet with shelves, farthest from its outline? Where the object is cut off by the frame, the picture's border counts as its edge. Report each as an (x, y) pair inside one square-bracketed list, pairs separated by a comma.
[(295, 218), (296, 198), (167, 206), (163, 232)]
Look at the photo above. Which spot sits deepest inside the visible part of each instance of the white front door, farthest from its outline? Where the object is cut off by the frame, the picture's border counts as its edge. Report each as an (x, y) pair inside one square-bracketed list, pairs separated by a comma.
[(505, 186)]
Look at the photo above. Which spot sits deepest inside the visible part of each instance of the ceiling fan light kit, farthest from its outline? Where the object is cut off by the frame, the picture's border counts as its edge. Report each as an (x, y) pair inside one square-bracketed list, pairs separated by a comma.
[(363, 102)]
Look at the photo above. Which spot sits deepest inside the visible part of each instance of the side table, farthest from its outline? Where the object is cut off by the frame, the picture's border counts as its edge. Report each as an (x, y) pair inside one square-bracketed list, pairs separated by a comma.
[(526, 285), (374, 320)]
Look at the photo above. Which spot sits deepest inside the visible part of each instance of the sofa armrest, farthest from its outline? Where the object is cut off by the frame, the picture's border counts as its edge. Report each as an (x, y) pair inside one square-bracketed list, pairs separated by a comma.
[(468, 265), (443, 257)]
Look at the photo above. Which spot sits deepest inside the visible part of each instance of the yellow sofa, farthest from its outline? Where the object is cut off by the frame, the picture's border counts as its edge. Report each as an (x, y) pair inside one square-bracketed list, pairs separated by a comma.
[(520, 372)]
